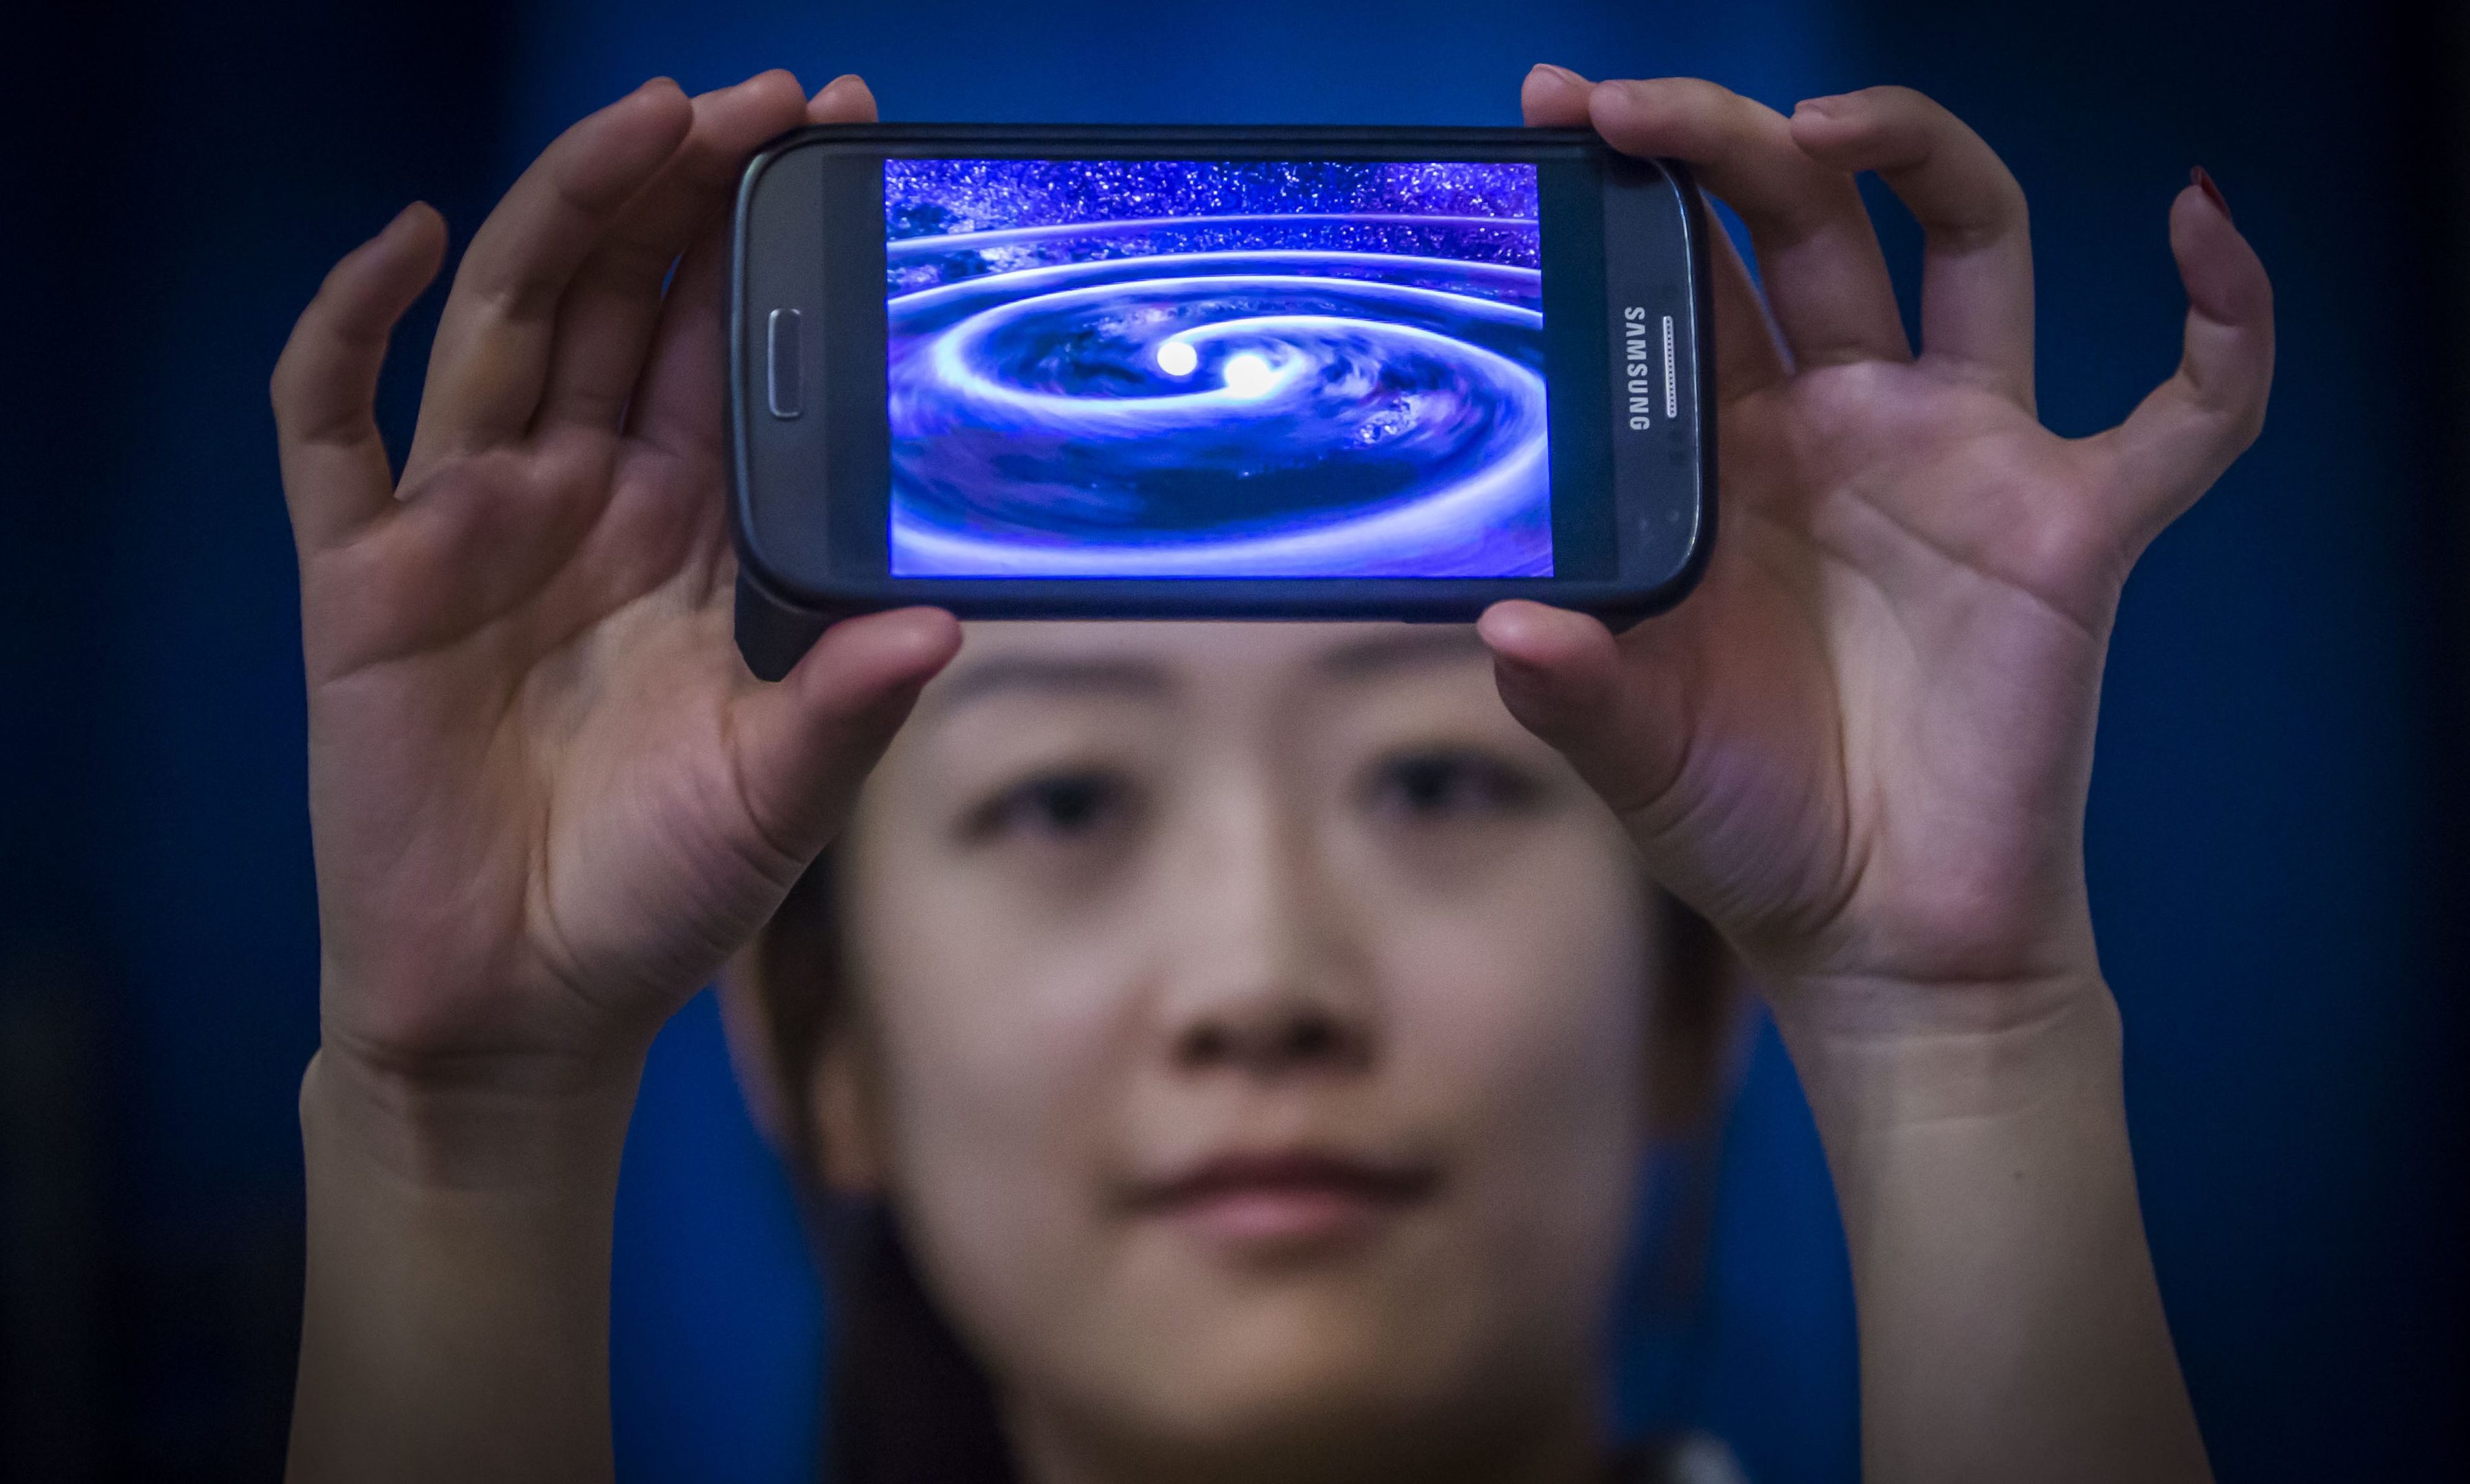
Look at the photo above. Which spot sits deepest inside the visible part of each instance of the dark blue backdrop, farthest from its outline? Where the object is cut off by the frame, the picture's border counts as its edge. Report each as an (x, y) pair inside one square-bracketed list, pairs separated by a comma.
[(2276, 826)]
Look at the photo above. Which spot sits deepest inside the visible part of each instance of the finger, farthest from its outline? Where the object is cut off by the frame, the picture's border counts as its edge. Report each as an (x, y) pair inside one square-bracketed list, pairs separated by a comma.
[(2180, 438), (335, 472), (677, 409), (1747, 354), (1826, 280), (605, 321), (674, 421), (1977, 247), (1553, 96), (492, 355), (804, 745), (1562, 675), (677, 406), (844, 100)]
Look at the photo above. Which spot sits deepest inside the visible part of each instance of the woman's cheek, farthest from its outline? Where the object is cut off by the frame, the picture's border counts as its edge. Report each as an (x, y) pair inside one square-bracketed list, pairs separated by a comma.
[(1524, 1016), (1530, 977), (997, 1073)]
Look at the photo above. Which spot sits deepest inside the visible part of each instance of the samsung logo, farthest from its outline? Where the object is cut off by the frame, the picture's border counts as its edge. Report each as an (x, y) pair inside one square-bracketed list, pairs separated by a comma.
[(1637, 369)]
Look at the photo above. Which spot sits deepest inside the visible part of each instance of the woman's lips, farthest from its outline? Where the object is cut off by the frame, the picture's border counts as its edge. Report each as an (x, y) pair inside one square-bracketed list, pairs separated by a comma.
[(1285, 1199)]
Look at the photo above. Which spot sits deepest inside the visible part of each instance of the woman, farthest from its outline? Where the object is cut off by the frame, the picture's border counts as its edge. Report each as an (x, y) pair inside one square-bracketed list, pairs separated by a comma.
[(1256, 1072), (1257, 1028)]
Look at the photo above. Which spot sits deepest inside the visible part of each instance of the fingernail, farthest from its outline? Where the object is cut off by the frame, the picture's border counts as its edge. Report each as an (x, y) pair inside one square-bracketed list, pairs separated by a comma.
[(1520, 676), (1563, 73), (1516, 666), (1824, 108), (2204, 181)]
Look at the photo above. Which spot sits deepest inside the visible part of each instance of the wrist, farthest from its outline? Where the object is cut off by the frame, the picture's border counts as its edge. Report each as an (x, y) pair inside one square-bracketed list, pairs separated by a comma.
[(1997, 1145), (1983, 1170), (1877, 1054), (455, 1311), (542, 1133)]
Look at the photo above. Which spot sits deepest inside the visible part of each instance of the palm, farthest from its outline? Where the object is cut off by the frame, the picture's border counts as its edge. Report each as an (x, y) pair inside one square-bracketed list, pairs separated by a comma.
[(604, 676), (1862, 746), (549, 799), (1890, 622)]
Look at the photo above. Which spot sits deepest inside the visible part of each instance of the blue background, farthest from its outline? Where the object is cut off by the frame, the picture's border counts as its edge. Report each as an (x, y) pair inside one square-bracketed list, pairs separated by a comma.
[(2278, 827)]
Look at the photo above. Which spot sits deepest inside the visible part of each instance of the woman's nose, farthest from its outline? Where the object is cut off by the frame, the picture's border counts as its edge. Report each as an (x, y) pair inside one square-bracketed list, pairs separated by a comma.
[(1275, 1035), (1268, 973)]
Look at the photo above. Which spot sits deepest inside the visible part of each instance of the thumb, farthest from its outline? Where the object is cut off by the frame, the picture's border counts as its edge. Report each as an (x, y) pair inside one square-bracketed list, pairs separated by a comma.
[(1616, 716), (800, 748)]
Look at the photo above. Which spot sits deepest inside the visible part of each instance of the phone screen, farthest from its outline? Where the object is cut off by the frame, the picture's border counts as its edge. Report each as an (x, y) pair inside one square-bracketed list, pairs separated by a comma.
[(1230, 368)]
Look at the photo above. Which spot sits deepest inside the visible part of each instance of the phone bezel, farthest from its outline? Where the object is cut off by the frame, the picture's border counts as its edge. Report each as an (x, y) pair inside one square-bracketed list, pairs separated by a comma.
[(794, 541)]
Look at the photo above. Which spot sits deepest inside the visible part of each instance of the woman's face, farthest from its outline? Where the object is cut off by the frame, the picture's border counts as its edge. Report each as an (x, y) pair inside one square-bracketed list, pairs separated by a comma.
[(1250, 1035)]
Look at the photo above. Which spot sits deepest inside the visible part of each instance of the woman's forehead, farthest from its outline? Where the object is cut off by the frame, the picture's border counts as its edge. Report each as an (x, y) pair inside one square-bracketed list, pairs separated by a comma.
[(1233, 670), (1199, 655)]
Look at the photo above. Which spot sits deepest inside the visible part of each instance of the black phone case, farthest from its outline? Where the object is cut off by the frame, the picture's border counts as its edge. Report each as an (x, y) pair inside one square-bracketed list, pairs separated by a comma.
[(778, 619)]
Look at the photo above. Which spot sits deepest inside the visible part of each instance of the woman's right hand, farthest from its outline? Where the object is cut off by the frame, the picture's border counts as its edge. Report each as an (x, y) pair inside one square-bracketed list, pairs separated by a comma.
[(547, 798)]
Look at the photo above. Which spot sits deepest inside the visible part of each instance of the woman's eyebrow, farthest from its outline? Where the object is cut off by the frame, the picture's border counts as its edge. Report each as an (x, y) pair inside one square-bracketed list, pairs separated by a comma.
[(1424, 644), (1083, 676)]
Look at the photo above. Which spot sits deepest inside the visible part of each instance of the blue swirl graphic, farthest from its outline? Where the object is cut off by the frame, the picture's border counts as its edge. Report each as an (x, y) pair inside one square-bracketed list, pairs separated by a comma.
[(1219, 394)]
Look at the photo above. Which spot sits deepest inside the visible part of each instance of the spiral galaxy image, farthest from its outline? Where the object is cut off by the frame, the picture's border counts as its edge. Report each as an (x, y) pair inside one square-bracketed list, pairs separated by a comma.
[(1185, 368)]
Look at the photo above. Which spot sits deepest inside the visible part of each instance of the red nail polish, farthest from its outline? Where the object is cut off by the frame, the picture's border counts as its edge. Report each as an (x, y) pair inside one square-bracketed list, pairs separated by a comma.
[(2203, 182)]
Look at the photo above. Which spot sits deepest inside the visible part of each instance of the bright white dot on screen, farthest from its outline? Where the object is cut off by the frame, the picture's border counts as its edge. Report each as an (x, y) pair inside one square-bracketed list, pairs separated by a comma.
[(1247, 375), (1175, 358)]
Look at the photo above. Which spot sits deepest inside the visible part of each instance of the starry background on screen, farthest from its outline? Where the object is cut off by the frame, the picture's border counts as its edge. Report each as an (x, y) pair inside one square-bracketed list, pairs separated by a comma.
[(1477, 212)]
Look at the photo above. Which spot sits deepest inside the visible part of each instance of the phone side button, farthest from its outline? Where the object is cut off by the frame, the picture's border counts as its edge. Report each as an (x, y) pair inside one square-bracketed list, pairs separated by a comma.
[(781, 353)]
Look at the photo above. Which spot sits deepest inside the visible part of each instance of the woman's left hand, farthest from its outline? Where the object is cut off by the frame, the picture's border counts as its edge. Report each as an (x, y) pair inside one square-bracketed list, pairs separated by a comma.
[(1862, 750), (1862, 747)]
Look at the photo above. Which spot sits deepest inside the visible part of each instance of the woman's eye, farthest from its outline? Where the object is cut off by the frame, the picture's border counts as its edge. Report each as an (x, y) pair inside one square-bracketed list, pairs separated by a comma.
[(1448, 783), (1056, 807)]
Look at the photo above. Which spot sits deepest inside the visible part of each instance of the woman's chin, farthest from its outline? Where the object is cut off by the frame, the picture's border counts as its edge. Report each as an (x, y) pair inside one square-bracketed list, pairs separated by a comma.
[(1295, 1391), (1298, 1352)]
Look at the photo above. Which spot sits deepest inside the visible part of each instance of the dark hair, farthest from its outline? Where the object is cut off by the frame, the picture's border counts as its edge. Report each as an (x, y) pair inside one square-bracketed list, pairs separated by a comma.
[(906, 1401)]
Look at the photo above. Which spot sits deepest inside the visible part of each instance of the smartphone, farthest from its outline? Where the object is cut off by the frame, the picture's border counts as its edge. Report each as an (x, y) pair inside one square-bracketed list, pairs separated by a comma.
[(1214, 372)]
